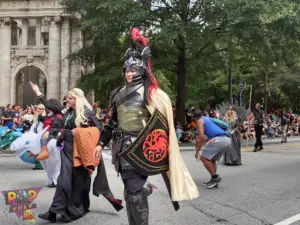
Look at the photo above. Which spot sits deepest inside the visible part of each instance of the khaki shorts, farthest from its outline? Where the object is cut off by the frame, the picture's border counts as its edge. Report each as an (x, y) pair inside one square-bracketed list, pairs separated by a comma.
[(215, 148)]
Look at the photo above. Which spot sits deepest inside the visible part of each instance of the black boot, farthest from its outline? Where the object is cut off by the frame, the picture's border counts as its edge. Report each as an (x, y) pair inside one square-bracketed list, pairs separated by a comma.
[(137, 206), (130, 216), (140, 213), (65, 219), (49, 216)]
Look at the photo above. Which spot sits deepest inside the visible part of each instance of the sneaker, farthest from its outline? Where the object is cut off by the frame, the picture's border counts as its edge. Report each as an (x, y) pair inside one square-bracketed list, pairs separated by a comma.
[(35, 168), (218, 180), (206, 183), (51, 185), (211, 185)]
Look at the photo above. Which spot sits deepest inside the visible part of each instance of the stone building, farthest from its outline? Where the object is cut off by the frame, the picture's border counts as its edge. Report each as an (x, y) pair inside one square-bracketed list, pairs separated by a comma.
[(35, 39)]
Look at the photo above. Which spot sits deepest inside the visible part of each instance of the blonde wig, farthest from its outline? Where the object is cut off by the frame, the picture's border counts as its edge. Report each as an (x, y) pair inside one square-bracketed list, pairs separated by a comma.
[(81, 103), (36, 114), (231, 118), (41, 106)]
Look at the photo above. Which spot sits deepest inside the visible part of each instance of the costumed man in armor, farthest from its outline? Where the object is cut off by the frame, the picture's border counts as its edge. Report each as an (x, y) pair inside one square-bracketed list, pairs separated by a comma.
[(144, 138)]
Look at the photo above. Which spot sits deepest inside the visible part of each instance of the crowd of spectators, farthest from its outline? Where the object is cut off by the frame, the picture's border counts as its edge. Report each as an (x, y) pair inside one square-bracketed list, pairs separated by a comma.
[(18, 117), (272, 125)]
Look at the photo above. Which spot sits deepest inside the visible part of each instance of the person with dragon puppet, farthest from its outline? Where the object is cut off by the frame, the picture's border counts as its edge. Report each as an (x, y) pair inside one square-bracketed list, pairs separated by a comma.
[(143, 133), (78, 134)]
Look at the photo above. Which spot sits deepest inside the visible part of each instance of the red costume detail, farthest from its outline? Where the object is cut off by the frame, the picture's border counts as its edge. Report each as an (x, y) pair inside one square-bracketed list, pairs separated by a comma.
[(156, 145), (136, 35), (49, 120)]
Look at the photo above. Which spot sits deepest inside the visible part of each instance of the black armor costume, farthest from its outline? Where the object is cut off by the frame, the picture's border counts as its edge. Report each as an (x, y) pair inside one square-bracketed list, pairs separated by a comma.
[(129, 117)]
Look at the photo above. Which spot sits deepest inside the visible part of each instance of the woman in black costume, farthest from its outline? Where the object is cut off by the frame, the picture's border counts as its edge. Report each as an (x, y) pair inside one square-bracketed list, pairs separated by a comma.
[(71, 199)]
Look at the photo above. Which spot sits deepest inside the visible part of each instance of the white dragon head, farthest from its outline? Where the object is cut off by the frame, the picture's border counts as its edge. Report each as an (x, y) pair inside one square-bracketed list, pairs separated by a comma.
[(29, 141)]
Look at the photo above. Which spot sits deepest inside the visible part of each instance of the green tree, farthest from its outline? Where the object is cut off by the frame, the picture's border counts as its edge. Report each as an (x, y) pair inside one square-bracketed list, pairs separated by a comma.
[(194, 43), (182, 30)]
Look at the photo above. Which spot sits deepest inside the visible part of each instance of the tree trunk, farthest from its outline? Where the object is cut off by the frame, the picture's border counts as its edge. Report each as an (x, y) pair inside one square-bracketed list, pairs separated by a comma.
[(230, 54), (230, 97), (266, 94), (294, 103), (181, 86)]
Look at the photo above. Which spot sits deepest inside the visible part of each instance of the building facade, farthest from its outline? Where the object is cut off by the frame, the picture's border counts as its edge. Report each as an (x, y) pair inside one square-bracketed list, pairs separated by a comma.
[(35, 39)]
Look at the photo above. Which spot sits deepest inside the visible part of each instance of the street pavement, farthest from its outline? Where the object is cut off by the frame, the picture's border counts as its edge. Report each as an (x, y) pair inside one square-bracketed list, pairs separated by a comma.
[(263, 191)]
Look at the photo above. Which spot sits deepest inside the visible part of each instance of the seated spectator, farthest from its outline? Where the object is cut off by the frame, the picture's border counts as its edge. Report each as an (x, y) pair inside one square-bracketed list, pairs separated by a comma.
[(179, 132)]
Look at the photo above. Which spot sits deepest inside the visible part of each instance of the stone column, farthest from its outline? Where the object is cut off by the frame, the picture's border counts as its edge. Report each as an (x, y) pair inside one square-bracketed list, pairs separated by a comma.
[(5, 43), (14, 33), (54, 58), (38, 32), (18, 36), (65, 62), (24, 32), (76, 45)]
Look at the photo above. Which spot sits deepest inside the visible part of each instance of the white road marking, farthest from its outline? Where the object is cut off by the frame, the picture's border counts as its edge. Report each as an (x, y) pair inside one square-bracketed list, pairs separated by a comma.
[(290, 220), (186, 147)]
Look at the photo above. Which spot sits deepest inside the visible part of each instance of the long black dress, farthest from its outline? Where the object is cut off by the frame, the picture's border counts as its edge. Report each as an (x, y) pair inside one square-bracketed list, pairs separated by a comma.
[(71, 197), (232, 156)]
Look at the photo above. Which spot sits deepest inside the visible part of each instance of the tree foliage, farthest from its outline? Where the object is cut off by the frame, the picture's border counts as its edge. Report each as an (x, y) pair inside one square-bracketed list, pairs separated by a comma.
[(195, 43)]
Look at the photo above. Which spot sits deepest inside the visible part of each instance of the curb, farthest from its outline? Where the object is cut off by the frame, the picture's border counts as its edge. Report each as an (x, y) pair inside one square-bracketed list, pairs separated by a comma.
[(7, 151)]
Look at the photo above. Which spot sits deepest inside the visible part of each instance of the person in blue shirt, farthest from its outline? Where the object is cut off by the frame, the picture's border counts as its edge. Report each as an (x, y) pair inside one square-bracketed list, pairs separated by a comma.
[(216, 143)]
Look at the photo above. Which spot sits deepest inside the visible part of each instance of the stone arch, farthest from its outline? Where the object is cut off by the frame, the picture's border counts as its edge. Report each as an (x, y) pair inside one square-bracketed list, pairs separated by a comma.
[(16, 72)]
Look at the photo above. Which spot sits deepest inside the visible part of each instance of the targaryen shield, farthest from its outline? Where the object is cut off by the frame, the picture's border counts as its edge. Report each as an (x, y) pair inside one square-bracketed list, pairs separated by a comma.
[(149, 153)]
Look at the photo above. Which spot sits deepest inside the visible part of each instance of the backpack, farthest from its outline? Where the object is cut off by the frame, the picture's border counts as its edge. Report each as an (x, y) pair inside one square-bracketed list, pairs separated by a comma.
[(220, 123)]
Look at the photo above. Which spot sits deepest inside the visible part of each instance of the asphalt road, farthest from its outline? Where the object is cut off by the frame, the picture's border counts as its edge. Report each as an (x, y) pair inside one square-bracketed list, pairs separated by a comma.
[(264, 190)]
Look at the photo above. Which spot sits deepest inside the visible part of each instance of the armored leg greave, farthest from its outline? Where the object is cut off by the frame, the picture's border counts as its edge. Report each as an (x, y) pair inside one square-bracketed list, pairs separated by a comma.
[(137, 206)]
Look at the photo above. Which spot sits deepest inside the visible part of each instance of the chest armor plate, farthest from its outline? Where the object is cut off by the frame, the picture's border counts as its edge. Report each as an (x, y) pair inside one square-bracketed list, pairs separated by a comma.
[(132, 114)]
